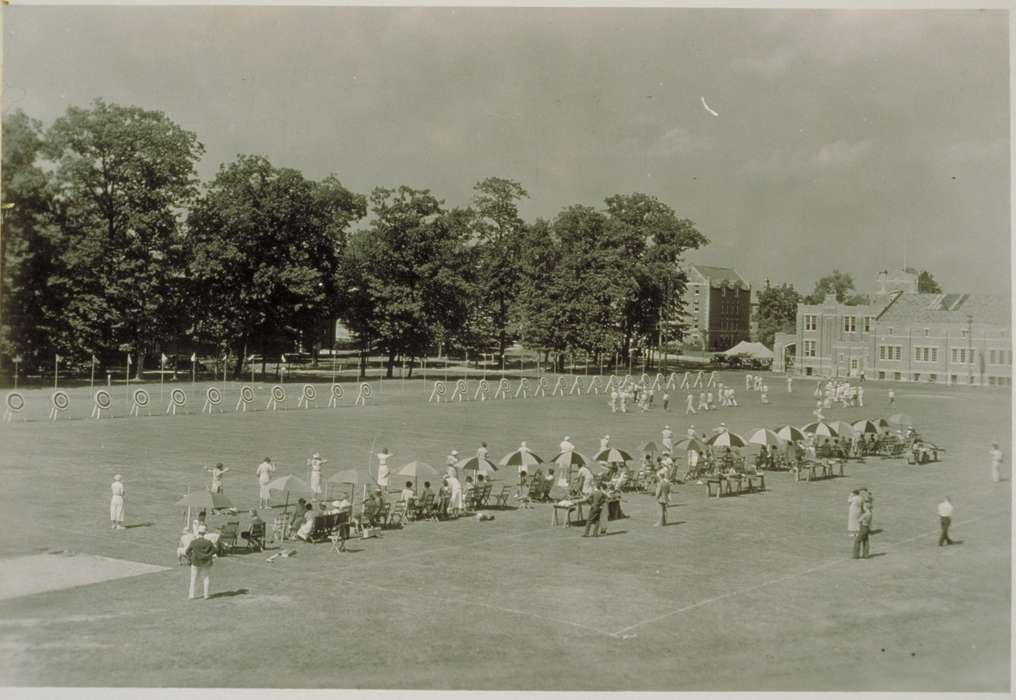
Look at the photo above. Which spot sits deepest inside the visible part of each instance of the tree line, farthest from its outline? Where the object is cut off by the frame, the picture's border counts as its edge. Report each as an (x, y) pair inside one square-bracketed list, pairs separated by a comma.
[(114, 245)]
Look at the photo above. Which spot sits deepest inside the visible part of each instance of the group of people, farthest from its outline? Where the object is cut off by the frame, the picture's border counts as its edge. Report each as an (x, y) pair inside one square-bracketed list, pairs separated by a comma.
[(843, 393), (628, 395)]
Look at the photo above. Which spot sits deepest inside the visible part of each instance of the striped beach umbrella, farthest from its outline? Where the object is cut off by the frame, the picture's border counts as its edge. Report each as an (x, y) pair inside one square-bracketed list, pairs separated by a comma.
[(789, 433), (520, 458), (820, 429), (689, 444), (612, 455), (866, 425), (570, 459), (764, 436), (726, 439), (477, 464)]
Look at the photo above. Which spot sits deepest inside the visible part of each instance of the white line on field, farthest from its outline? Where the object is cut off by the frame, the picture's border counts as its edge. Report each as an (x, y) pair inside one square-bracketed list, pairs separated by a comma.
[(788, 577)]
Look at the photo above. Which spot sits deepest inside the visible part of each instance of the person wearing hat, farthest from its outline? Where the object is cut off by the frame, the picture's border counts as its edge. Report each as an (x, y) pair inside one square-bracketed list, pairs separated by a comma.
[(383, 471), (116, 503), (566, 444), (264, 473), (315, 463), (251, 534), (201, 553), (450, 461), (604, 442), (217, 471)]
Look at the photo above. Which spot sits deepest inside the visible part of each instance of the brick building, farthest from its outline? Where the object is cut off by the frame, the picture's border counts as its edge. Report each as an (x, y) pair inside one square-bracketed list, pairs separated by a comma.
[(717, 308)]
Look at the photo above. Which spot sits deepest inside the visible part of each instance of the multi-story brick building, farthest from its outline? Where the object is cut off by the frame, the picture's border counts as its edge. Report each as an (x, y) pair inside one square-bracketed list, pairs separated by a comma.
[(717, 308), (903, 335)]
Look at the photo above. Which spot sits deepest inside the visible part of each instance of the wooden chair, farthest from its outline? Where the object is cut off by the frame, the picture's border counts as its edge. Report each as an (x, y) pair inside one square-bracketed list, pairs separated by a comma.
[(229, 535), (501, 499), (255, 537), (397, 515)]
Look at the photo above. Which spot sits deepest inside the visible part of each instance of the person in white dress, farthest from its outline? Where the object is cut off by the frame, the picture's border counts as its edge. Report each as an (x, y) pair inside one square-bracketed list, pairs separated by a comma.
[(690, 406), (456, 504), (604, 442), (450, 461), (566, 444), (790, 384), (996, 462), (315, 474), (116, 503), (384, 475), (667, 438), (264, 473)]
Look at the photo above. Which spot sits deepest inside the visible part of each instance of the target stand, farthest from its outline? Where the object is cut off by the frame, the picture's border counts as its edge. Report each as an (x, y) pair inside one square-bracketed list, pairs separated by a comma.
[(59, 403), (523, 388), (658, 382), (277, 396), (611, 383), (307, 396), (335, 395), (503, 387), (13, 405), (246, 398), (363, 394), (558, 387), (213, 400), (438, 392), (712, 379), (177, 399), (102, 401), (481, 391), (141, 399), (459, 392), (594, 386), (575, 388), (697, 384), (541, 387)]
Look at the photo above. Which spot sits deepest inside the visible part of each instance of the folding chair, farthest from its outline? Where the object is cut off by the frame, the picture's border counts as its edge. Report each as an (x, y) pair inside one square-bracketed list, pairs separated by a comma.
[(228, 536), (255, 537), (340, 534), (400, 513)]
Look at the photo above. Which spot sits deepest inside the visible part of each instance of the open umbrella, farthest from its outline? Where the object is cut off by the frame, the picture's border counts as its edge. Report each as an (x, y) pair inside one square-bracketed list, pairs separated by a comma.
[(416, 470), (289, 484), (648, 448), (570, 459), (477, 464), (612, 455), (764, 436), (900, 419), (689, 444), (349, 476), (520, 458), (726, 439), (866, 426), (843, 427), (789, 433), (820, 429)]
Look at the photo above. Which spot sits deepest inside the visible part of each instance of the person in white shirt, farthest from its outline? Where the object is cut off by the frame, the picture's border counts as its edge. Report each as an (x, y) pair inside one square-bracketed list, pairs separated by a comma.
[(408, 494), (450, 461), (481, 451), (315, 463), (747, 382), (690, 406), (264, 473), (116, 503), (945, 513), (586, 480), (996, 462), (604, 442), (383, 470), (667, 438), (566, 444), (790, 384)]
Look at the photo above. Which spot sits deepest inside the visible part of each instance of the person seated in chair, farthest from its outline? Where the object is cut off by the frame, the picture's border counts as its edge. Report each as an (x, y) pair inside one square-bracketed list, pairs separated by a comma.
[(249, 533), (371, 507), (468, 491), (308, 523), (298, 514), (408, 495), (198, 522)]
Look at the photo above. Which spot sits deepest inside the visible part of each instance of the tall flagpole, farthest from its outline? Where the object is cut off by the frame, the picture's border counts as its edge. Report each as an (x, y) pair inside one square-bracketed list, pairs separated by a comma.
[(56, 372), (91, 379), (193, 369), (162, 374), (128, 376)]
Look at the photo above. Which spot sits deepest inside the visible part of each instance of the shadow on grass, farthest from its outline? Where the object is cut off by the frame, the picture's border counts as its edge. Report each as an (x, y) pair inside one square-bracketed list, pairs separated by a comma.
[(134, 525), (675, 522), (613, 532), (229, 594), (876, 554)]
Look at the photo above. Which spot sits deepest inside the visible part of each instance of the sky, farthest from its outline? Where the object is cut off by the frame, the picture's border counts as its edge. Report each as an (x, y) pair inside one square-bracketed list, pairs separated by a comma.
[(847, 139)]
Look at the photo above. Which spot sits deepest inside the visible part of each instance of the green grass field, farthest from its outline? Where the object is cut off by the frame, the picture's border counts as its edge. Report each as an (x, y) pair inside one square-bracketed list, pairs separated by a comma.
[(755, 592)]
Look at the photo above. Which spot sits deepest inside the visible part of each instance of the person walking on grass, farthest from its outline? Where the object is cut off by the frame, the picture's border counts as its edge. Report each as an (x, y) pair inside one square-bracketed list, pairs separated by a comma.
[(116, 503), (690, 406), (864, 530), (662, 497), (264, 473), (201, 553), (596, 500), (945, 513), (996, 462), (217, 471)]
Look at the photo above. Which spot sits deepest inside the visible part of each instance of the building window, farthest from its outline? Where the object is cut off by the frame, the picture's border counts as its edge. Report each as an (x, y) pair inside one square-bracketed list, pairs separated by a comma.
[(881, 352), (933, 378), (849, 324), (917, 376), (925, 332), (696, 291), (963, 332), (992, 357), (891, 330), (867, 323), (809, 322), (809, 348), (897, 376)]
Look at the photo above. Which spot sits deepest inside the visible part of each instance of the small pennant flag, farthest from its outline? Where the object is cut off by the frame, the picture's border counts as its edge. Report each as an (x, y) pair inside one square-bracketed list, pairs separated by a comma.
[(59, 359), (194, 357), (250, 359), (164, 358), (283, 358), (128, 359), (95, 360), (17, 359)]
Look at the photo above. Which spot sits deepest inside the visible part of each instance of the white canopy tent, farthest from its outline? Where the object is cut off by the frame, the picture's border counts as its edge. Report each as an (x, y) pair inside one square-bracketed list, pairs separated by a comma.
[(756, 351)]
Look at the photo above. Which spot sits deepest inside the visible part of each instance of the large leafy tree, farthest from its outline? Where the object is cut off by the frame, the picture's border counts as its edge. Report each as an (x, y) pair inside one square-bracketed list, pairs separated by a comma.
[(777, 311), (839, 284), (499, 232), (926, 282), (122, 176), (410, 275), (651, 239), (266, 244), (34, 299)]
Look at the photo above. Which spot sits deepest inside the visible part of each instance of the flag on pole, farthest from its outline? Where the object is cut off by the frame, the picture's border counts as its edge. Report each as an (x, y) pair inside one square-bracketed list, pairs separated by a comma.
[(194, 357), (59, 359), (250, 359), (164, 359), (283, 359), (95, 360), (128, 359)]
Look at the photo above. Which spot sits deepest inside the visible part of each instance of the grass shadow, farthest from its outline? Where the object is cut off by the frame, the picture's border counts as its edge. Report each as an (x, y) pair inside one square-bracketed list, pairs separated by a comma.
[(134, 525), (229, 594)]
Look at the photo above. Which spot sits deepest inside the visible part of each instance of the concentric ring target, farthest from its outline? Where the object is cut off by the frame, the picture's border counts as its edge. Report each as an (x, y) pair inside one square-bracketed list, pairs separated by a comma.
[(440, 387), (141, 397), (365, 390), (213, 395), (247, 394), (178, 397), (61, 400), (278, 393), (103, 400), (337, 391), (15, 401), (309, 392), (460, 385)]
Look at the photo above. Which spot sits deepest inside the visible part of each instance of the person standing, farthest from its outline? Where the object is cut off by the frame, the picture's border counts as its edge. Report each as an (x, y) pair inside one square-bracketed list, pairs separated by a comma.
[(604, 442), (315, 475), (481, 451), (201, 553), (945, 513), (217, 471), (586, 480), (892, 397), (662, 497), (854, 503), (566, 445), (456, 505), (450, 461), (667, 438), (860, 395), (996, 462), (264, 472), (790, 384), (666, 401), (864, 529), (596, 500), (116, 503), (690, 407), (613, 400), (384, 475)]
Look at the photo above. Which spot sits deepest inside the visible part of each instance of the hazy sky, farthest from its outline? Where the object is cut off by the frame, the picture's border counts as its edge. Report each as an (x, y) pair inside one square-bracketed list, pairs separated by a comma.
[(840, 133)]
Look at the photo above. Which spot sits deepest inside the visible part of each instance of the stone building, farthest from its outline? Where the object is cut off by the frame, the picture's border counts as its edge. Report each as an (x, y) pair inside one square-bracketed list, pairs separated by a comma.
[(717, 308)]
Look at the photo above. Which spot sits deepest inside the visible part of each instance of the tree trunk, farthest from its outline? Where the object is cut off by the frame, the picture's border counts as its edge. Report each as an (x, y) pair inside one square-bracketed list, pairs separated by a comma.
[(241, 357), (363, 359), (390, 363)]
